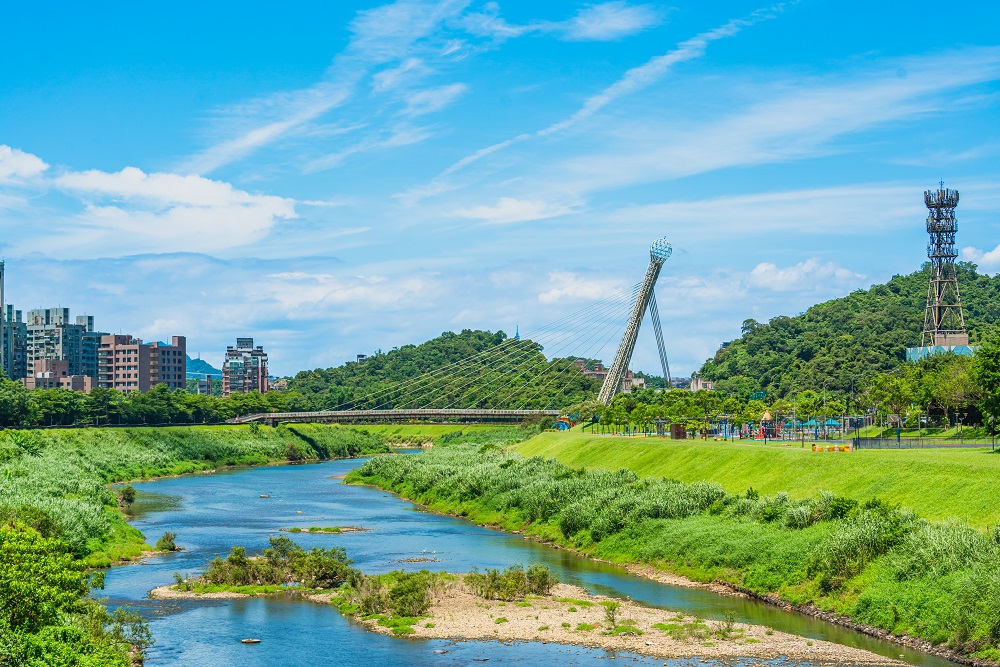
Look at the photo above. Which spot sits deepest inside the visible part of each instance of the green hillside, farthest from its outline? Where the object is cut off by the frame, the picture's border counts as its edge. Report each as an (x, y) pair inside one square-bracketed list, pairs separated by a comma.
[(200, 367), (853, 337), (510, 374)]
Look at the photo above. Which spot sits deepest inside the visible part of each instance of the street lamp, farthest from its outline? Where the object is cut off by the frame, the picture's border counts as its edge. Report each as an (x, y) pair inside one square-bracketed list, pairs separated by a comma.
[(824, 408)]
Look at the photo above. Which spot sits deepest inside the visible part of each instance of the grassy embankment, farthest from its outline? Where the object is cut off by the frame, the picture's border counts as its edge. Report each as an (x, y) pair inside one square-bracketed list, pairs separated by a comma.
[(419, 434), (937, 484), (58, 517), (57, 480), (869, 560)]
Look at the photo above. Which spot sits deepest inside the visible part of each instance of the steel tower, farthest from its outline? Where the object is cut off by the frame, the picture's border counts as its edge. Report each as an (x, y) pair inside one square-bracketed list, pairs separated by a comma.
[(658, 254), (944, 323)]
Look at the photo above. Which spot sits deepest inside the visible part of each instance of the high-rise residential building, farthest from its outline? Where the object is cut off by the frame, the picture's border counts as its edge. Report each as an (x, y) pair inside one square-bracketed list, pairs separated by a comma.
[(91, 343), (3, 320), (127, 364), (244, 368), (51, 335), (15, 344)]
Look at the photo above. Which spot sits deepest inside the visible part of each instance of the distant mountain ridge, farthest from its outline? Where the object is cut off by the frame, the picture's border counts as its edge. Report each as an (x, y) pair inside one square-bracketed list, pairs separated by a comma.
[(848, 339), (199, 368)]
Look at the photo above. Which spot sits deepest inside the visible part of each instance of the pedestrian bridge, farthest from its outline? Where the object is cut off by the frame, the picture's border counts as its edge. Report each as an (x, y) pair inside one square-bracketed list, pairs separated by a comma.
[(465, 415)]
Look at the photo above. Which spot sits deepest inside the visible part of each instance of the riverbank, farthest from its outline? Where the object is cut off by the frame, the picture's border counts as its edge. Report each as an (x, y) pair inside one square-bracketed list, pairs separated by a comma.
[(867, 566), (59, 519), (937, 484), (570, 615)]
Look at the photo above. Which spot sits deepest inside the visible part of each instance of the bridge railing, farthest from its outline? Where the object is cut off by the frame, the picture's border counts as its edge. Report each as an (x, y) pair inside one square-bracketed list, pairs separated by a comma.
[(417, 414)]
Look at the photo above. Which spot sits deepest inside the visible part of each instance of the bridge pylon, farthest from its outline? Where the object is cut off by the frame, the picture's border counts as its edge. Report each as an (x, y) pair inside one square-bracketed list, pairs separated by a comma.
[(658, 254)]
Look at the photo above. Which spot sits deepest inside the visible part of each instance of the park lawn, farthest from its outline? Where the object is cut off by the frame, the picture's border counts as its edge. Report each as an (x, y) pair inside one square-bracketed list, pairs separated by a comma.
[(938, 484)]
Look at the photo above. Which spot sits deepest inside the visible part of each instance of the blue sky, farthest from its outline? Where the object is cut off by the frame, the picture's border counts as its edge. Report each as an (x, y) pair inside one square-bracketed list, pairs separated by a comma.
[(334, 178)]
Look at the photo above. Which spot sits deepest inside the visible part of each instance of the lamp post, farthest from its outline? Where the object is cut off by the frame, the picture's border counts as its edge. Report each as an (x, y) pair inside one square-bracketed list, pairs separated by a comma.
[(824, 408)]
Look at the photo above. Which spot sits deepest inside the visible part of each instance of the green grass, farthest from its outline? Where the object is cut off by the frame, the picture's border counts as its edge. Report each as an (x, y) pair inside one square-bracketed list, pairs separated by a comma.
[(417, 434), (63, 474), (871, 561), (936, 483), (252, 591)]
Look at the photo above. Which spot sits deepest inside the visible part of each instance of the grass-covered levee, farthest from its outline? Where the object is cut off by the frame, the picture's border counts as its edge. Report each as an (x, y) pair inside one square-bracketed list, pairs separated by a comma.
[(875, 562), (59, 517)]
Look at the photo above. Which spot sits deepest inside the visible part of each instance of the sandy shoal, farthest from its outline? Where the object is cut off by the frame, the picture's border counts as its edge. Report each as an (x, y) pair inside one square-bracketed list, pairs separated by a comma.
[(457, 614)]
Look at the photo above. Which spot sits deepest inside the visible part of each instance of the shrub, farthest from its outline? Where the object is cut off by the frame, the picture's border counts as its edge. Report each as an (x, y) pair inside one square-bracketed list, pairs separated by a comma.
[(512, 583), (127, 494), (166, 542), (410, 596)]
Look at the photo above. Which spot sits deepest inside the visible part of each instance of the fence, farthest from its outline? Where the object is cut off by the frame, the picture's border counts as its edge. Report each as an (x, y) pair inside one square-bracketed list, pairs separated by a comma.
[(916, 443)]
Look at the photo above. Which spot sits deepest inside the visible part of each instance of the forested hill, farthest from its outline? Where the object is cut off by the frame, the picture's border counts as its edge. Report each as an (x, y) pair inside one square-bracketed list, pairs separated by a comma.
[(855, 336), (517, 375)]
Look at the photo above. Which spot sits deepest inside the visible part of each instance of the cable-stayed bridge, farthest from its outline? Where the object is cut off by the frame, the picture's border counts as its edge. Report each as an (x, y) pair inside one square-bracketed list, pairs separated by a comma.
[(516, 378)]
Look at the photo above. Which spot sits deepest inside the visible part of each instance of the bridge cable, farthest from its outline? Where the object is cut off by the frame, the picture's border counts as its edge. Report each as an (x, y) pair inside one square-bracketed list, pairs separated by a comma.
[(613, 324), (482, 356)]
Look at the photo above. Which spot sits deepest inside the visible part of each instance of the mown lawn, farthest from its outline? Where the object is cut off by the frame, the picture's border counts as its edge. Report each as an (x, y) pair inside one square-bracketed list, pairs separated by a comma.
[(937, 483)]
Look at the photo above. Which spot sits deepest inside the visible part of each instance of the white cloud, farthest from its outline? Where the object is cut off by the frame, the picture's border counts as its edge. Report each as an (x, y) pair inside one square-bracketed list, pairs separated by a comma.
[(600, 22), (654, 69), (569, 286), (378, 36), (395, 137), (509, 209), (787, 125), (632, 81), (433, 99), (392, 77), (17, 166), (850, 209), (989, 259), (810, 275), (165, 212), (610, 20)]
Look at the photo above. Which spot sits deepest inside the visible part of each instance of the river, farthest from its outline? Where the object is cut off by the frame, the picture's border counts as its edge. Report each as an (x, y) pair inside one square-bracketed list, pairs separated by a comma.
[(213, 512)]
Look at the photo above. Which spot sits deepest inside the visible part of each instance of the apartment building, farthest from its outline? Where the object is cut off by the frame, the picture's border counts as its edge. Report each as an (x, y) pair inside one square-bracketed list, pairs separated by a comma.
[(244, 368), (127, 364), (14, 344), (91, 343), (54, 374), (51, 335)]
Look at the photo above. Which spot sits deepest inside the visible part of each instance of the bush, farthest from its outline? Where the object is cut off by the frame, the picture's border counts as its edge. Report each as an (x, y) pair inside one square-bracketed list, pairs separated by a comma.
[(410, 596), (512, 583), (166, 542), (128, 494)]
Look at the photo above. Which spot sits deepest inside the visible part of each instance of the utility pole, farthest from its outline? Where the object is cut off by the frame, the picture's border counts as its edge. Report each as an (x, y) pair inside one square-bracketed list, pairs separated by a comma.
[(658, 254)]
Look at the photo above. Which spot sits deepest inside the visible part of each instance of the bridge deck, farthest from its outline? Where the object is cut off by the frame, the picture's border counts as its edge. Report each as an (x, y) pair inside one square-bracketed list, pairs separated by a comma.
[(389, 416)]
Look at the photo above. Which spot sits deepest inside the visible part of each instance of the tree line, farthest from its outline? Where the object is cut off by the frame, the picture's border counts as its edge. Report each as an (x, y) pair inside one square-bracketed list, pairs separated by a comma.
[(942, 390), (20, 407)]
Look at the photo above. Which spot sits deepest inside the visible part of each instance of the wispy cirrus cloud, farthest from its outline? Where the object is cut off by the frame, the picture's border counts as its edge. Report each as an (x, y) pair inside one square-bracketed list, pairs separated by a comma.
[(834, 211), (509, 210), (632, 81), (798, 120), (600, 22), (433, 99), (380, 35)]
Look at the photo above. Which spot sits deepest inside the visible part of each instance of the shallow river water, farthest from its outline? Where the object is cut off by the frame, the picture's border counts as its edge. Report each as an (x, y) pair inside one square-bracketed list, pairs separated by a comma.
[(213, 512)]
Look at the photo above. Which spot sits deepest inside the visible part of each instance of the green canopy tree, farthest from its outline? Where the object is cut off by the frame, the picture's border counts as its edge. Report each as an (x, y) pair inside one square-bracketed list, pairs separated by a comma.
[(985, 370)]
